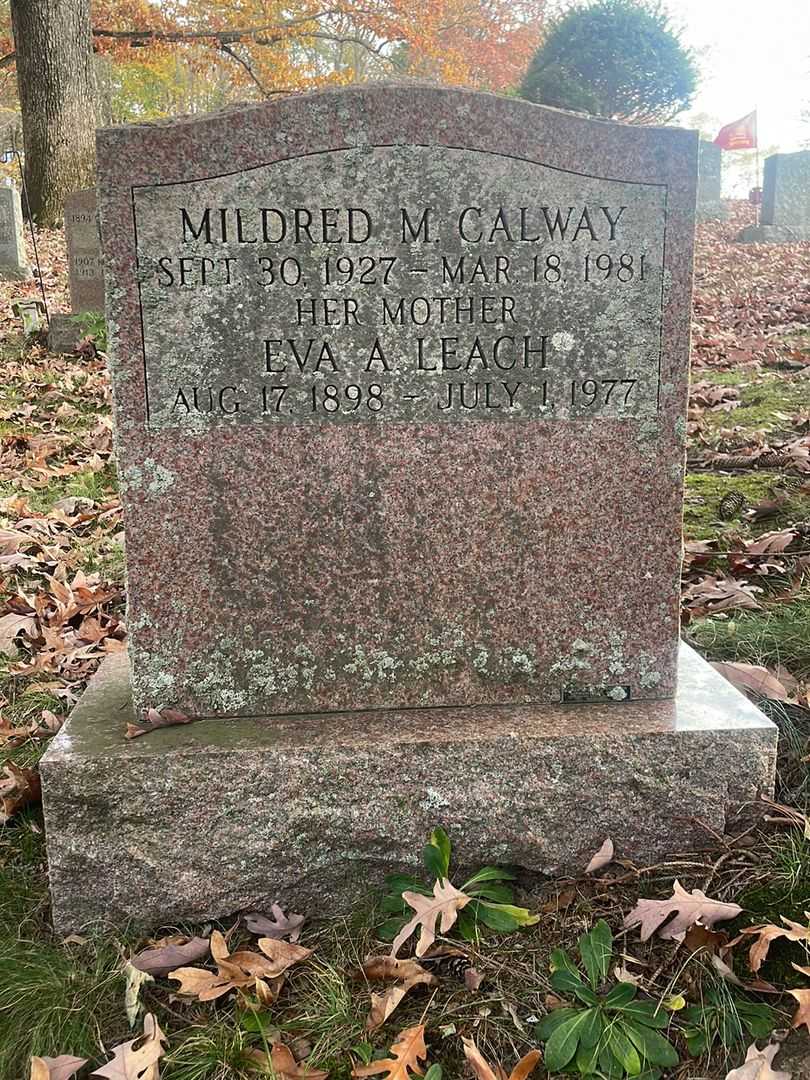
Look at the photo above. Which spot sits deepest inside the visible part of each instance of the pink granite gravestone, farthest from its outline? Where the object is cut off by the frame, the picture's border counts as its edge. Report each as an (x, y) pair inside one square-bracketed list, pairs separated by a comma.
[(400, 380)]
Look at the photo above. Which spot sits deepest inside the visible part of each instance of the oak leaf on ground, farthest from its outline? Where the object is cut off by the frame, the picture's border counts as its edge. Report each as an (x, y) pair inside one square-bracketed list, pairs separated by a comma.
[(802, 1015), (752, 677), (158, 718), (282, 954), (167, 955), (688, 909), (59, 1068), (445, 905), (20, 788), (769, 932), (758, 1063), (484, 1071), (280, 926), (602, 857), (409, 974), (408, 1050), (235, 971), (285, 1067), (139, 1058)]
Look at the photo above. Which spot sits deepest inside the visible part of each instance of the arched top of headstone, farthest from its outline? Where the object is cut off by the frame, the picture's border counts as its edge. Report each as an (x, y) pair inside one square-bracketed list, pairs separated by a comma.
[(391, 113)]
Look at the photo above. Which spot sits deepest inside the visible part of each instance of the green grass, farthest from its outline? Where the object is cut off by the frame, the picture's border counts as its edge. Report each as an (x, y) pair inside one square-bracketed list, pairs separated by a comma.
[(216, 1050), (705, 491), (57, 999), (776, 635), (769, 400)]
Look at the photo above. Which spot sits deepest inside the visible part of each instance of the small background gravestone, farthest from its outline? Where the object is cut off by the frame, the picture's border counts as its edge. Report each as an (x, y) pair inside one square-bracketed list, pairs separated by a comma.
[(785, 210), (13, 258), (710, 182), (84, 269), (786, 193)]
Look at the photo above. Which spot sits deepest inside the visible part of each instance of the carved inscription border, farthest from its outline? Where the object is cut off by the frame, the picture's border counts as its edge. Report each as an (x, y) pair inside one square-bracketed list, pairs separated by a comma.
[(400, 282)]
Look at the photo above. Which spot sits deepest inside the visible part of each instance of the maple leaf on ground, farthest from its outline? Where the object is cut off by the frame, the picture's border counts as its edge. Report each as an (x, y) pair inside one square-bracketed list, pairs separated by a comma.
[(59, 1068), (688, 909), (408, 1050), (170, 953), (445, 903), (157, 718), (754, 678), (409, 972), (758, 1065), (280, 926), (137, 1059), (483, 1071), (768, 932), (284, 1065)]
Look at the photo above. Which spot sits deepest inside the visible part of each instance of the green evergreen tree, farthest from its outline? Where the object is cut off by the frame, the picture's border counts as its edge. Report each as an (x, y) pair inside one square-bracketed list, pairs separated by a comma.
[(618, 59)]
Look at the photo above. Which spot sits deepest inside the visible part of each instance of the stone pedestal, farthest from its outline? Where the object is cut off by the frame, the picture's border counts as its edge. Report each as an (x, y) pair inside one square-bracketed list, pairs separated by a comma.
[(203, 820), (770, 234)]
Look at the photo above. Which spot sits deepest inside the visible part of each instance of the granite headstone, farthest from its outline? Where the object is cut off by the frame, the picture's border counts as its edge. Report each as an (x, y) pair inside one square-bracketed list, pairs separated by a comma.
[(13, 258), (710, 182), (85, 271), (400, 385), (786, 194), (84, 252)]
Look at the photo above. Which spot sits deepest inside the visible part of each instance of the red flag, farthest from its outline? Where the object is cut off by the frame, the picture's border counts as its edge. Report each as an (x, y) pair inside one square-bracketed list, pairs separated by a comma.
[(741, 135)]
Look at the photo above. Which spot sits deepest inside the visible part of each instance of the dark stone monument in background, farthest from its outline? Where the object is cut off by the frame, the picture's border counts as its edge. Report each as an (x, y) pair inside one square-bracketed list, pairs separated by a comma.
[(785, 213), (400, 383)]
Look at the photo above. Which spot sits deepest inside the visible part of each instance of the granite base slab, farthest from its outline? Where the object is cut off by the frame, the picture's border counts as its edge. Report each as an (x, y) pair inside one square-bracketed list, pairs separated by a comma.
[(204, 820)]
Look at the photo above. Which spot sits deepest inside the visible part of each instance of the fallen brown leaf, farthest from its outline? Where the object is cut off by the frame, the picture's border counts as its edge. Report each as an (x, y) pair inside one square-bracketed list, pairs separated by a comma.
[(484, 1071), (688, 909), (802, 1015), (162, 959), (445, 904), (282, 954), (408, 973), (20, 788), (758, 1065), (408, 1050), (137, 1059), (602, 858), (285, 1067), (769, 932), (158, 719), (751, 677), (59, 1068), (235, 971), (280, 926)]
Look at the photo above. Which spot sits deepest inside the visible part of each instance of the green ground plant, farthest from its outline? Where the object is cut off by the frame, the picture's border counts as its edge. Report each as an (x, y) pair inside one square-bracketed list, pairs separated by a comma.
[(492, 905), (612, 1033)]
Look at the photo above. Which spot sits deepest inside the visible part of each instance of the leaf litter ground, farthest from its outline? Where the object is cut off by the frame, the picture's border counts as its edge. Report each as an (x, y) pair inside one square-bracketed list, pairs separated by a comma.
[(745, 603)]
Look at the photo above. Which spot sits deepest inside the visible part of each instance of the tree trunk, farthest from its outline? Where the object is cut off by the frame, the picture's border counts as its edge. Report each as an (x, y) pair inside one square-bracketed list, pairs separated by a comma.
[(56, 85)]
